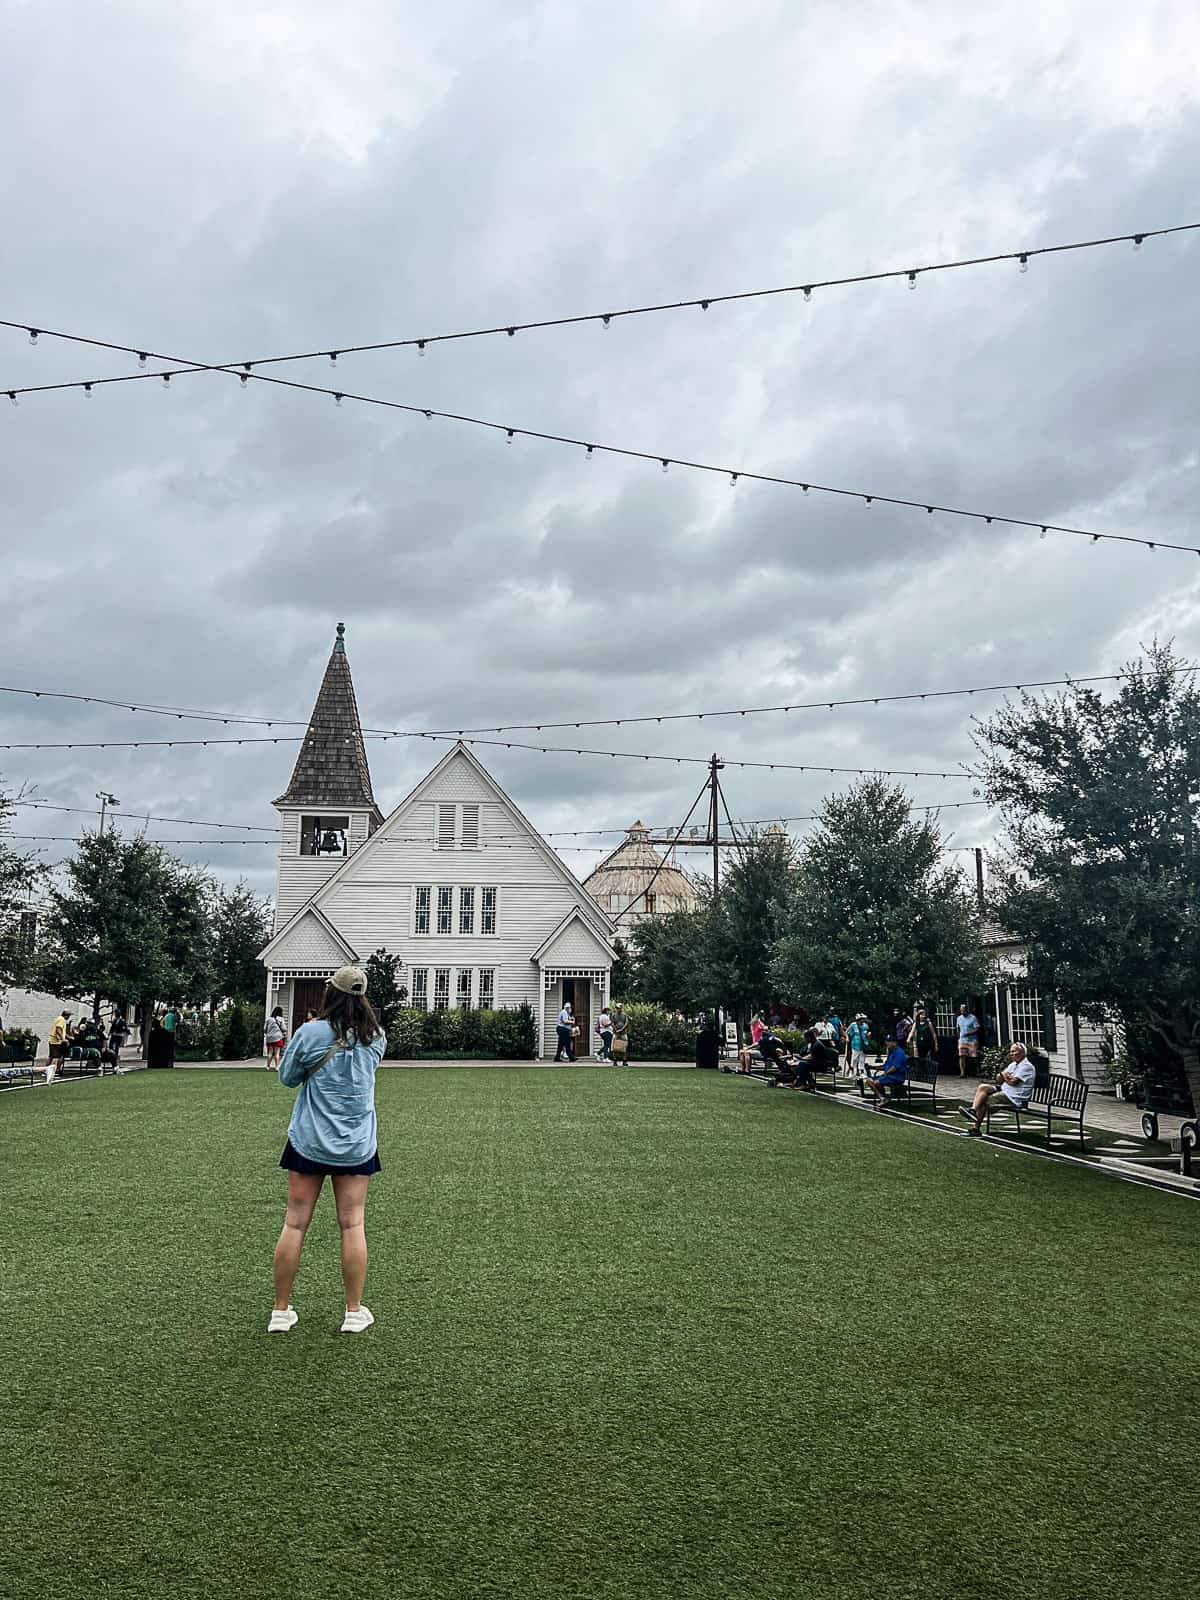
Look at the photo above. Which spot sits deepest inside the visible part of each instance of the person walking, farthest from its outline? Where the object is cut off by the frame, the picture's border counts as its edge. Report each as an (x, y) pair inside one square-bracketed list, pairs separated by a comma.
[(57, 1045), (858, 1042), (117, 1034), (566, 1034), (274, 1037), (925, 1035), (620, 1024), (170, 1024), (968, 1038), (334, 1134), (604, 1027)]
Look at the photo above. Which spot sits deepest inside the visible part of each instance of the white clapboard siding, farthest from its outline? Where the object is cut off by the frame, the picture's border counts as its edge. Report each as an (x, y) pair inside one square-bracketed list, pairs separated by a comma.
[(369, 897), (301, 876), (309, 944), (578, 946)]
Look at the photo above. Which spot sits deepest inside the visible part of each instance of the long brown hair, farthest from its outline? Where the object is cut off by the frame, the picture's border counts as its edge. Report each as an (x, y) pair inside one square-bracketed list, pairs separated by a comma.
[(350, 1013)]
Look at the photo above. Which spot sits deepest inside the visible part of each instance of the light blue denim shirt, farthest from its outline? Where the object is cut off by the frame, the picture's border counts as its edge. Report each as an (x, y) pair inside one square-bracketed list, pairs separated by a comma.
[(333, 1120)]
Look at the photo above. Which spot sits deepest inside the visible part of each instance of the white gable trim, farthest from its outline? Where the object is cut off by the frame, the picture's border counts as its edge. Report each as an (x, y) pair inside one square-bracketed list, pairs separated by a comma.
[(308, 909), (600, 922), (546, 948)]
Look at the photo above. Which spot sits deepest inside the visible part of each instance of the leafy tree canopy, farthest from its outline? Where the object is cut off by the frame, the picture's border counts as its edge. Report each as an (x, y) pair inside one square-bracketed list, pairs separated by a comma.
[(241, 926), (21, 878), (879, 917), (1101, 872), (384, 990)]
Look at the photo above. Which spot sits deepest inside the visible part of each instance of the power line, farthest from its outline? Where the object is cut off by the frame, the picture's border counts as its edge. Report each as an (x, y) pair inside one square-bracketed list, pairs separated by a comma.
[(244, 367), (142, 816), (592, 447)]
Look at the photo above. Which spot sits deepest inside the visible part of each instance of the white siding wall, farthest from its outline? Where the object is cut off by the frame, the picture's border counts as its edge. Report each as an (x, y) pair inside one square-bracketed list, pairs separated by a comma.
[(372, 905), (309, 945), (301, 876)]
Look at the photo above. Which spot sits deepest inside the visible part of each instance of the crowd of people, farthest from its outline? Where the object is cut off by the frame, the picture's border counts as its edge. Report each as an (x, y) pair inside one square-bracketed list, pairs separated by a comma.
[(833, 1048), (87, 1040), (611, 1028)]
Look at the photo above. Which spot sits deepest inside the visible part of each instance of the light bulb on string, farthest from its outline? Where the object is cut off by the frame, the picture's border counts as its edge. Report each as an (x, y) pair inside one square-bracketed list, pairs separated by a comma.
[(333, 355), (666, 465), (33, 335), (733, 478), (166, 378), (807, 292), (142, 357), (87, 391), (420, 347), (606, 319), (588, 453), (12, 395), (912, 280), (1023, 263), (1137, 240), (243, 378), (337, 399), (509, 436)]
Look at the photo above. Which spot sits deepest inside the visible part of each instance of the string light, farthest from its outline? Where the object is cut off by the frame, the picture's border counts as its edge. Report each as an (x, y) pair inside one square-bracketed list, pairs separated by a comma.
[(1024, 263), (912, 280), (230, 718), (604, 318), (142, 358), (33, 335)]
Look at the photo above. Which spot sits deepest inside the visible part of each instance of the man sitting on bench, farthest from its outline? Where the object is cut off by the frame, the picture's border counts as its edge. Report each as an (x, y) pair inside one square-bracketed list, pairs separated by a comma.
[(895, 1072), (787, 1071), (1012, 1089)]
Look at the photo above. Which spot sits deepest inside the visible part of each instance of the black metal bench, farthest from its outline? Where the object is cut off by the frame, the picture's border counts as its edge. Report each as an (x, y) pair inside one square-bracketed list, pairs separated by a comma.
[(919, 1084), (17, 1066), (1056, 1098)]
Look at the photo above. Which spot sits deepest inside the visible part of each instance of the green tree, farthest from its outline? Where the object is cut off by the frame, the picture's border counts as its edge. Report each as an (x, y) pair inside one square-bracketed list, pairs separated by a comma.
[(880, 917), (745, 921), (622, 979), (21, 878), (1101, 872), (665, 960), (241, 927), (384, 990), (132, 923)]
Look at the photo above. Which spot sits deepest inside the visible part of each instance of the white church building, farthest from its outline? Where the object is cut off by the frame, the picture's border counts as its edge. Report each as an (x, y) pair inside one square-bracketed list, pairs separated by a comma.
[(456, 882)]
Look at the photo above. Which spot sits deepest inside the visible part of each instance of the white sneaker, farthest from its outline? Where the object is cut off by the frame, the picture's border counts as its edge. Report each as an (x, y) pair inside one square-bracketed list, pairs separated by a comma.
[(357, 1321), (282, 1321)]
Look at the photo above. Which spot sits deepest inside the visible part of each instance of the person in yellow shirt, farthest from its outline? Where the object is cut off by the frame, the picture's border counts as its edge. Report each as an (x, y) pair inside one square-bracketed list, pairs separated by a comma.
[(59, 1029)]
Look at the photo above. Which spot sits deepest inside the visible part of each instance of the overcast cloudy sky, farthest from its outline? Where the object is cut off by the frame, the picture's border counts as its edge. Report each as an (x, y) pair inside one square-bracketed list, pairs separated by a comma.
[(221, 181)]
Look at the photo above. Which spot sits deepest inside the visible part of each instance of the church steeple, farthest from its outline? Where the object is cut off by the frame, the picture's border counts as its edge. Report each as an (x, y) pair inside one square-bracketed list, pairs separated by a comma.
[(331, 769)]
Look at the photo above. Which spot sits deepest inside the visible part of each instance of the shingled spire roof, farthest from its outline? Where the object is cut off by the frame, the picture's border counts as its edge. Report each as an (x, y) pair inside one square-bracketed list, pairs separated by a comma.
[(331, 769)]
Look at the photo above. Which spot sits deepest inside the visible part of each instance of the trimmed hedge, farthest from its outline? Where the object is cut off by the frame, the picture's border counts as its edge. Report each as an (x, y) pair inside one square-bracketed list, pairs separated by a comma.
[(507, 1034), (235, 1033), (656, 1035)]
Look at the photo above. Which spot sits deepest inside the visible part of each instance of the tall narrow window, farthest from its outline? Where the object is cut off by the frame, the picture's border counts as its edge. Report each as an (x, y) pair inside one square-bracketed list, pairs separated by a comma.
[(470, 827), (464, 988), (420, 988), (445, 922), (487, 988), (421, 916), (445, 826), (466, 911), (487, 911), (441, 988)]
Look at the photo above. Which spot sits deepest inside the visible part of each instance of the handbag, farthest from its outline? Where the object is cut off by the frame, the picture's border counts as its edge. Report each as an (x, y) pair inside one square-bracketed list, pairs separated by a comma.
[(575, 1031), (620, 1047)]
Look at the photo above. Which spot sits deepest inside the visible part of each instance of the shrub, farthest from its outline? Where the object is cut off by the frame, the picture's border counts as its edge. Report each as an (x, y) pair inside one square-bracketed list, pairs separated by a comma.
[(232, 1034), (20, 1044), (509, 1034), (658, 1035)]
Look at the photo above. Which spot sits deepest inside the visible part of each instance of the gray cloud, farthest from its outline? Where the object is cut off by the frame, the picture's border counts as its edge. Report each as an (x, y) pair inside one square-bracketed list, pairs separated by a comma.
[(213, 187)]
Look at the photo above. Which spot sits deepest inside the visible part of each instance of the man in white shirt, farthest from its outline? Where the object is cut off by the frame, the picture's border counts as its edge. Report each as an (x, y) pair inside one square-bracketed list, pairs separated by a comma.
[(1012, 1088)]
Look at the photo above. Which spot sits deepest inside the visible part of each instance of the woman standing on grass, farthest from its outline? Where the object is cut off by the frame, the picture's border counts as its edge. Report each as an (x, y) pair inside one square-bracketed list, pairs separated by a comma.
[(274, 1035), (332, 1134)]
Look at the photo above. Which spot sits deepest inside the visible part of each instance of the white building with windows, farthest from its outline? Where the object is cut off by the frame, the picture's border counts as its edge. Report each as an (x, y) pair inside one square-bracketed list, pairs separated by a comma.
[(456, 882)]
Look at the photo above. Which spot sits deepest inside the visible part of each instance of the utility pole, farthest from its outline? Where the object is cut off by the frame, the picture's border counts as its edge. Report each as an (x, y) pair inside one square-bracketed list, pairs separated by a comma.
[(714, 790), (105, 800), (979, 876)]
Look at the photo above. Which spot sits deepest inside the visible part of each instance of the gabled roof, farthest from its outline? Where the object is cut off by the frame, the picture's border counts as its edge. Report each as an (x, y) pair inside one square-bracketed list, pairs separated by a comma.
[(600, 922), (331, 769), (560, 942), (324, 941)]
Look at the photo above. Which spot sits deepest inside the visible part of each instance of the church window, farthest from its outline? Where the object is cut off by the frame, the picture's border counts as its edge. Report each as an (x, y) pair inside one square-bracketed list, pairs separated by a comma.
[(445, 914), (470, 827), (487, 911), (441, 988), (420, 988), (445, 827), (466, 911), (421, 922), (324, 836), (464, 987), (487, 988)]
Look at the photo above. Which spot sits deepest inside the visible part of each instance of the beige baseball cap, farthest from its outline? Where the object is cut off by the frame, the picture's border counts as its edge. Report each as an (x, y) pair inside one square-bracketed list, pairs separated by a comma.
[(350, 980)]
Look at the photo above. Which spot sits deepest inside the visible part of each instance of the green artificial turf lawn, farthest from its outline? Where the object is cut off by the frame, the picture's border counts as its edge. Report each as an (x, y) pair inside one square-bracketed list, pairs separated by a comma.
[(655, 1333)]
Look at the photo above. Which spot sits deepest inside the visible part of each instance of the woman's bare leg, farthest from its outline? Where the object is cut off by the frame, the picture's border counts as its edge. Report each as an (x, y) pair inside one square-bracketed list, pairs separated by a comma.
[(303, 1189), (350, 1195)]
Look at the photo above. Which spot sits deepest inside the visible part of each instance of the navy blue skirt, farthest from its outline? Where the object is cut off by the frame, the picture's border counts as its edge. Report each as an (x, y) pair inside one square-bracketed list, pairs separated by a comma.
[(293, 1161)]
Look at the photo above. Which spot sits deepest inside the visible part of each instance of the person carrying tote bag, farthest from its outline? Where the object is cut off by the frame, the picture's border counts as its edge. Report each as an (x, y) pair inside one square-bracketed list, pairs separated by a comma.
[(620, 1028)]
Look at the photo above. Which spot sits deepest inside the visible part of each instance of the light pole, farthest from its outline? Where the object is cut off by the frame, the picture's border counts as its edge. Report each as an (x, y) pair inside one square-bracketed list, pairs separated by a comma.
[(105, 800)]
